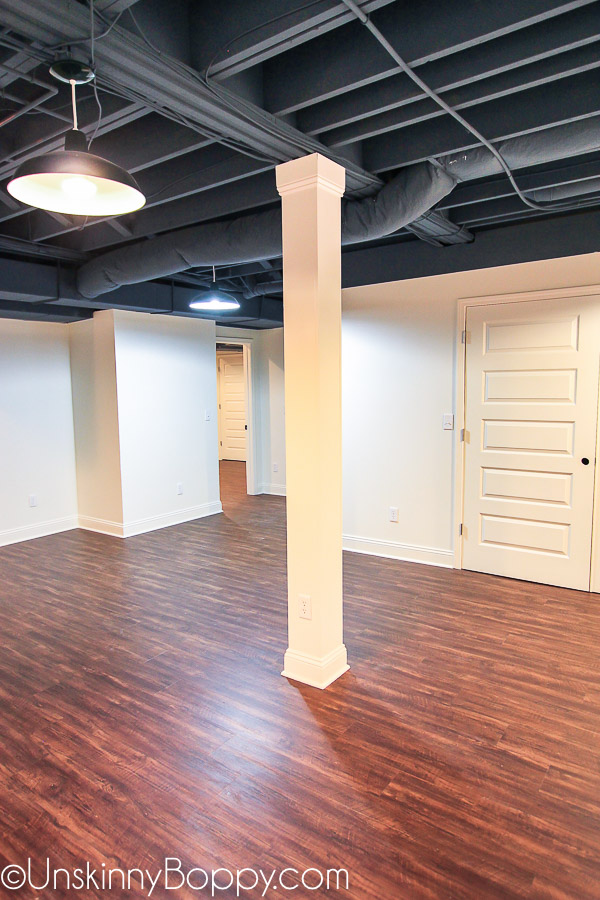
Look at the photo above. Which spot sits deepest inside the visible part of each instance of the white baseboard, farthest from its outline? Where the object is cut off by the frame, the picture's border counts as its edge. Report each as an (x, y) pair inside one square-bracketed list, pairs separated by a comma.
[(152, 523), (101, 526), (430, 556), (319, 673), (41, 529), (277, 489)]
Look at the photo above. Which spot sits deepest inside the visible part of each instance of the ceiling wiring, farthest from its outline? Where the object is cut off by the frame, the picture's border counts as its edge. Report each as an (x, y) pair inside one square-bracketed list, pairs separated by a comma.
[(222, 50), (404, 66)]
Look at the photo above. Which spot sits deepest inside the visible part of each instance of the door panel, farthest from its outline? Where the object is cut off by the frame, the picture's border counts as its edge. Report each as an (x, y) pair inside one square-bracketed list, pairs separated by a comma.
[(531, 400), (232, 401)]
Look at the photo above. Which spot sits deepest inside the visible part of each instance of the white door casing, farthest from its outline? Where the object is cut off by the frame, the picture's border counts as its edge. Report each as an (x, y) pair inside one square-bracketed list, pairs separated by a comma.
[(232, 406), (531, 399)]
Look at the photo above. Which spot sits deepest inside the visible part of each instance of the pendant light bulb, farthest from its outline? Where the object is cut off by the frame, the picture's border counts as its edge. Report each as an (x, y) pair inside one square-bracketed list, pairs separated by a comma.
[(78, 186)]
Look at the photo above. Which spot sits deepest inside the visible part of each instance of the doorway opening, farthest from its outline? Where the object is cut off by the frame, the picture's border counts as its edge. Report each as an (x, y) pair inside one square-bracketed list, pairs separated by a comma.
[(234, 415)]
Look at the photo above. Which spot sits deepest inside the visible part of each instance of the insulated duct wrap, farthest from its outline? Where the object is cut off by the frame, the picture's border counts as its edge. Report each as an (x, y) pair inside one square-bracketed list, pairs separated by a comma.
[(536, 148), (247, 239)]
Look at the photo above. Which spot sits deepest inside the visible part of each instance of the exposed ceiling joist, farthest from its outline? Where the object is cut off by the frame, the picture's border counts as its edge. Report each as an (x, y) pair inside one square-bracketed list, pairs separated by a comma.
[(113, 7), (288, 25), (566, 100), (127, 65), (546, 40), (507, 84), (421, 32)]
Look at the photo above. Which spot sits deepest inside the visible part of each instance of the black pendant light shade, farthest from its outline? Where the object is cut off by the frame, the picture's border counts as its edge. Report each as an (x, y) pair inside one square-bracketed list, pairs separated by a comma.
[(76, 183), (214, 299), (73, 181)]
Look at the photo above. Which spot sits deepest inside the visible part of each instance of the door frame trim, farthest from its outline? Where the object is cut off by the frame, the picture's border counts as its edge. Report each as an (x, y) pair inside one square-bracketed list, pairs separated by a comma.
[(252, 450), (587, 290)]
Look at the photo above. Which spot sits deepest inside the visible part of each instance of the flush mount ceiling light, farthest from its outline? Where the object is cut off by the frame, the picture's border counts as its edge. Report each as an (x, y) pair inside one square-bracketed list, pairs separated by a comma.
[(73, 181), (214, 299)]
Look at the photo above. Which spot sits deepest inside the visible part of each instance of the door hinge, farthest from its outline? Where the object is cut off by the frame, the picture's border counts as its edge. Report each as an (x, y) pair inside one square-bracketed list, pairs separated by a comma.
[(462, 435), (460, 529), (465, 337)]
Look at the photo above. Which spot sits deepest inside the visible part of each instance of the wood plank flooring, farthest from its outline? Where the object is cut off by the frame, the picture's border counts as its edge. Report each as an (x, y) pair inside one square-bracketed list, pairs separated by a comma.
[(143, 715)]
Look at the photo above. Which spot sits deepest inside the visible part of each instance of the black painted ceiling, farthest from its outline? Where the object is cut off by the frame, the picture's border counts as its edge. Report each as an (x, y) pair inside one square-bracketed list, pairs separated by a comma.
[(511, 68)]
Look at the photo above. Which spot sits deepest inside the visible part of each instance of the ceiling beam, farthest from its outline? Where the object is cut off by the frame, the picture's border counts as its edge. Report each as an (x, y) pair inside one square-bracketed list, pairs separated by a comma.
[(42, 312), (40, 290), (521, 48), (551, 238), (29, 248), (537, 109), (420, 32)]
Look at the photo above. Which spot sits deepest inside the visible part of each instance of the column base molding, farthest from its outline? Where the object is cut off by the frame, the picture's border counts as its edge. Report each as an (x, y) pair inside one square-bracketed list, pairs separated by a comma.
[(311, 670)]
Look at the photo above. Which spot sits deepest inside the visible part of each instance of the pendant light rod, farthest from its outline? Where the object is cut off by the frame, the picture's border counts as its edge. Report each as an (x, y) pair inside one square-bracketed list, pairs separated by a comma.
[(74, 102)]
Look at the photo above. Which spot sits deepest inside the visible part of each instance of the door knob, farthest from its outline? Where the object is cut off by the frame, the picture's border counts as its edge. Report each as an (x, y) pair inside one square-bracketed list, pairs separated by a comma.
[(585, 461)]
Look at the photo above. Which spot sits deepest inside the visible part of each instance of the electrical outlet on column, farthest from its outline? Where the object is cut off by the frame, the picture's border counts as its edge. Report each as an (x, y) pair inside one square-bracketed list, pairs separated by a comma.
[(304, 606)]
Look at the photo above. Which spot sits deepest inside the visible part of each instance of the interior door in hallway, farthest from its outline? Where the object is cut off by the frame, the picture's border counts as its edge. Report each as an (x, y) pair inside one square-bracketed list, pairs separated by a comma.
[(232, 406), (531, 401)]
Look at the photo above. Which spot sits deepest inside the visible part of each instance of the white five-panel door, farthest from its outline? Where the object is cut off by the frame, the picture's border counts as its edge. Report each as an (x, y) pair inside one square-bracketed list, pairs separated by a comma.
[(232, 406), (531, 401)]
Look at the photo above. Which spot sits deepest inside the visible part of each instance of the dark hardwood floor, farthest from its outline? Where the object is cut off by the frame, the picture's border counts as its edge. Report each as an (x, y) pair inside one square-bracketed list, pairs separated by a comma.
[(143, 715)]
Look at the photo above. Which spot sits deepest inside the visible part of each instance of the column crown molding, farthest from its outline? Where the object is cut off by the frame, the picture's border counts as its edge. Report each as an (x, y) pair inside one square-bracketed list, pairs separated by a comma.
[(311, 171)]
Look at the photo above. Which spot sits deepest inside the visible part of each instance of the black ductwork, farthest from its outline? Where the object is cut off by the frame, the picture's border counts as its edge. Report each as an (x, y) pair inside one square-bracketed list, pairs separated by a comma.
[(407, 197), (247, 239)]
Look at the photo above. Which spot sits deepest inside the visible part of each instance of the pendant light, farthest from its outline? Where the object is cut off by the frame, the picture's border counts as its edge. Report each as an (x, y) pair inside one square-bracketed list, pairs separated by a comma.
[(74, 181), (214, 299)]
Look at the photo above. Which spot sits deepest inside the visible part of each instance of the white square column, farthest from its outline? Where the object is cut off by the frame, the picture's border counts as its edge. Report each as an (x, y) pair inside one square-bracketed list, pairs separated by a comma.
[(311, 189)]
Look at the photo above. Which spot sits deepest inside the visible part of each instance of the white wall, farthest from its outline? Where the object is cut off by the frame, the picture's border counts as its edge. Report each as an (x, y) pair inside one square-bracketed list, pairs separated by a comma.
[(272, 412), (142, 387), (95, 415), (166, 383), (399, 347), (398, 355), (36, 431)]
